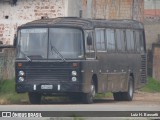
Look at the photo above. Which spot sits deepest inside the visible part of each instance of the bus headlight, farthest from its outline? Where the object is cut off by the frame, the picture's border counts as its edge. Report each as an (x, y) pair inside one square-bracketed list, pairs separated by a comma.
[(21, 73), (74, 79), (21, 79), (74, 73)]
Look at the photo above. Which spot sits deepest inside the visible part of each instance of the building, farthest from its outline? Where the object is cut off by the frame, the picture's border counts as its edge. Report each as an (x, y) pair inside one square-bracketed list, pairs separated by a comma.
[(152, 21), (14, 13), (115, 9), (152, 29)]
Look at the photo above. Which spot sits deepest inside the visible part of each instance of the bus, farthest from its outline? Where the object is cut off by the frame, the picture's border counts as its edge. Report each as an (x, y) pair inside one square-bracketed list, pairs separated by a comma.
[(80, 58)]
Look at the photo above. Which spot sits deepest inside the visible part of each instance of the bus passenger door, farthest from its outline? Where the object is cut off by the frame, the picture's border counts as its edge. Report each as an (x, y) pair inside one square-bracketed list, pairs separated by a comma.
[(90, 64)]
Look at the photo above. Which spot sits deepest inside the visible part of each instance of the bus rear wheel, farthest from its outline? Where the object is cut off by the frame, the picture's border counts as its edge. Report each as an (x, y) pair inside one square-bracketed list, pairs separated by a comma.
[(125, 96), (117, 96), (128, 96), (88, 97), (34, 98), (75, 96)]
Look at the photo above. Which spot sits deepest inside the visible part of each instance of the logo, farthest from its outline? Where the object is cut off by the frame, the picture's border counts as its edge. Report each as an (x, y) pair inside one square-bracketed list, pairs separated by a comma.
[(6, 114)]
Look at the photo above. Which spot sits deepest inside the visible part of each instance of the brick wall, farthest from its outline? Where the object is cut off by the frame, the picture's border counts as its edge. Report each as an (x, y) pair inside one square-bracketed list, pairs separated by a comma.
[(25, 11), (13, 16), (152, 21), (116, 9), (152, 8), (152, 31), (156, 62), (7, 59)]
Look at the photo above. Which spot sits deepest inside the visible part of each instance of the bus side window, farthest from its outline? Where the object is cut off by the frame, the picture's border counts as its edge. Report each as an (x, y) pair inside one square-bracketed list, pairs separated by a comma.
[(130, 40), (141, 41), (120, 40), (110, 40), (100, 40), (137, 36)]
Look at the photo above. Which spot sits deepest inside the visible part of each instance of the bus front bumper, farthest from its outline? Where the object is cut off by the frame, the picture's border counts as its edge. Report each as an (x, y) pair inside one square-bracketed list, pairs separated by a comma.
[(49, 88)]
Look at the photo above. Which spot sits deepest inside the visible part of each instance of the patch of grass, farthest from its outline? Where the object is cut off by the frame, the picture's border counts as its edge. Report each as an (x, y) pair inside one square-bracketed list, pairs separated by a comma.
[(104, 95), (152, 86), (8, 94)]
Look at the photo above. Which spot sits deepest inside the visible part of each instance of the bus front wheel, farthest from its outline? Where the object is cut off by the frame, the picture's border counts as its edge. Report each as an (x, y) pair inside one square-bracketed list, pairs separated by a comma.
[(34, 98), (88, 97)]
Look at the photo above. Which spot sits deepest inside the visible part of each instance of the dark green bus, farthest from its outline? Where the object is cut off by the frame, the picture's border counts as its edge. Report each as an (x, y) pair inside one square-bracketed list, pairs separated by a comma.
[(80, 57)]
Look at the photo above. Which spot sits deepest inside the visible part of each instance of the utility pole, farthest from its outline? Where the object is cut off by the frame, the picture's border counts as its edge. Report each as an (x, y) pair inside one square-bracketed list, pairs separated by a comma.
[(155, 7)]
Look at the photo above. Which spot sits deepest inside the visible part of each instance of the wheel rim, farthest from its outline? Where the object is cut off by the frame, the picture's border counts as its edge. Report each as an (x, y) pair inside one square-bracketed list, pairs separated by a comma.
[(131, 89), (93, 92)]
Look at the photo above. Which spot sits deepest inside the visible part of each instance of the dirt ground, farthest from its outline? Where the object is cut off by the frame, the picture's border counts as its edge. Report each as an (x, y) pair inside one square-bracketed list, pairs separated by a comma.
[(153, 98)]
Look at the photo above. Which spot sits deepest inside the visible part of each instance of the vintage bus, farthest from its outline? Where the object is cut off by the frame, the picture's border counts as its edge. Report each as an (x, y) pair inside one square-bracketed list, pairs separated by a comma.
[(80, 57)]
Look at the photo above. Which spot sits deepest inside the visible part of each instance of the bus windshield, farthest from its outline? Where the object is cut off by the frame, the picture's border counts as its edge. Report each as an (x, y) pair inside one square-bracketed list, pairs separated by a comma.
[(52, 43)]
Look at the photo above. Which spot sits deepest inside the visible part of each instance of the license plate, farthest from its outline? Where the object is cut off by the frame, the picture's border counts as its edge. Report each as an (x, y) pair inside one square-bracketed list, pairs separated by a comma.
[(47, 87)]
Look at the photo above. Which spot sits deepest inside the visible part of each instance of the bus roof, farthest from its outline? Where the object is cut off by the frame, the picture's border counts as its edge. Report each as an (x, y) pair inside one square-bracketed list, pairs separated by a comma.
[(87, 24)]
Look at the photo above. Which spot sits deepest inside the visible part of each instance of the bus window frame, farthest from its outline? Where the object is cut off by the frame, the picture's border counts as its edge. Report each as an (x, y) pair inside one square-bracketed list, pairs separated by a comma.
[(143, 41), (115, 50), (105, 50), (93, 43), (127, 50), (124, 33)]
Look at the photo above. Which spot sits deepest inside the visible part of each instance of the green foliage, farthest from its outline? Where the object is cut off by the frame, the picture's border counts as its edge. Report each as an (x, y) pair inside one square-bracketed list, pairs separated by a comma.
[(152, 85), (7, 86), (8, 94), (104, 95)]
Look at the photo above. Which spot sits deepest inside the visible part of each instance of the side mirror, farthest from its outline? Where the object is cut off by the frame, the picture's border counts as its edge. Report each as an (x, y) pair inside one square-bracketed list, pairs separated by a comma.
[(89, 40)]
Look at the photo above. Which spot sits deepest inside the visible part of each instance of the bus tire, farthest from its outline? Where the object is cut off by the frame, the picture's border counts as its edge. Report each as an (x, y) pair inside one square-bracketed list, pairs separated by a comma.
[(128, 96), (88, 97), (125, 96), (75, 96), (117, 96), (34, 98)]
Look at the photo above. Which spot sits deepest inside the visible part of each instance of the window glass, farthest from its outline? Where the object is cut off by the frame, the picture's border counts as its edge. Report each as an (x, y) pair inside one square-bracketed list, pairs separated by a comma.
[(141, 41), (130, 40), (137, 36), (120, 40), (32, 43), (100, 41), (65, 42), (110, 38)]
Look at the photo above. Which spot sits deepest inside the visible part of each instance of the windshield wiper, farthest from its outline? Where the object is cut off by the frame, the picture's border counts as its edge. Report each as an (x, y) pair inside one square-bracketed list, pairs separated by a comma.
[(53, 48), (28, 59)]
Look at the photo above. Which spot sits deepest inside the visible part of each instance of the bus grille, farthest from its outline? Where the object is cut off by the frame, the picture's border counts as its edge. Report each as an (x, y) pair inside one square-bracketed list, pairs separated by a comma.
[(47, 75), (144, 69), (55, 71)]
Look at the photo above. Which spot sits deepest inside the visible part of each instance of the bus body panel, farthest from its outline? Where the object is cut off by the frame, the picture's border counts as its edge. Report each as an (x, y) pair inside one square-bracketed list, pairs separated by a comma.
[(44, 73)]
